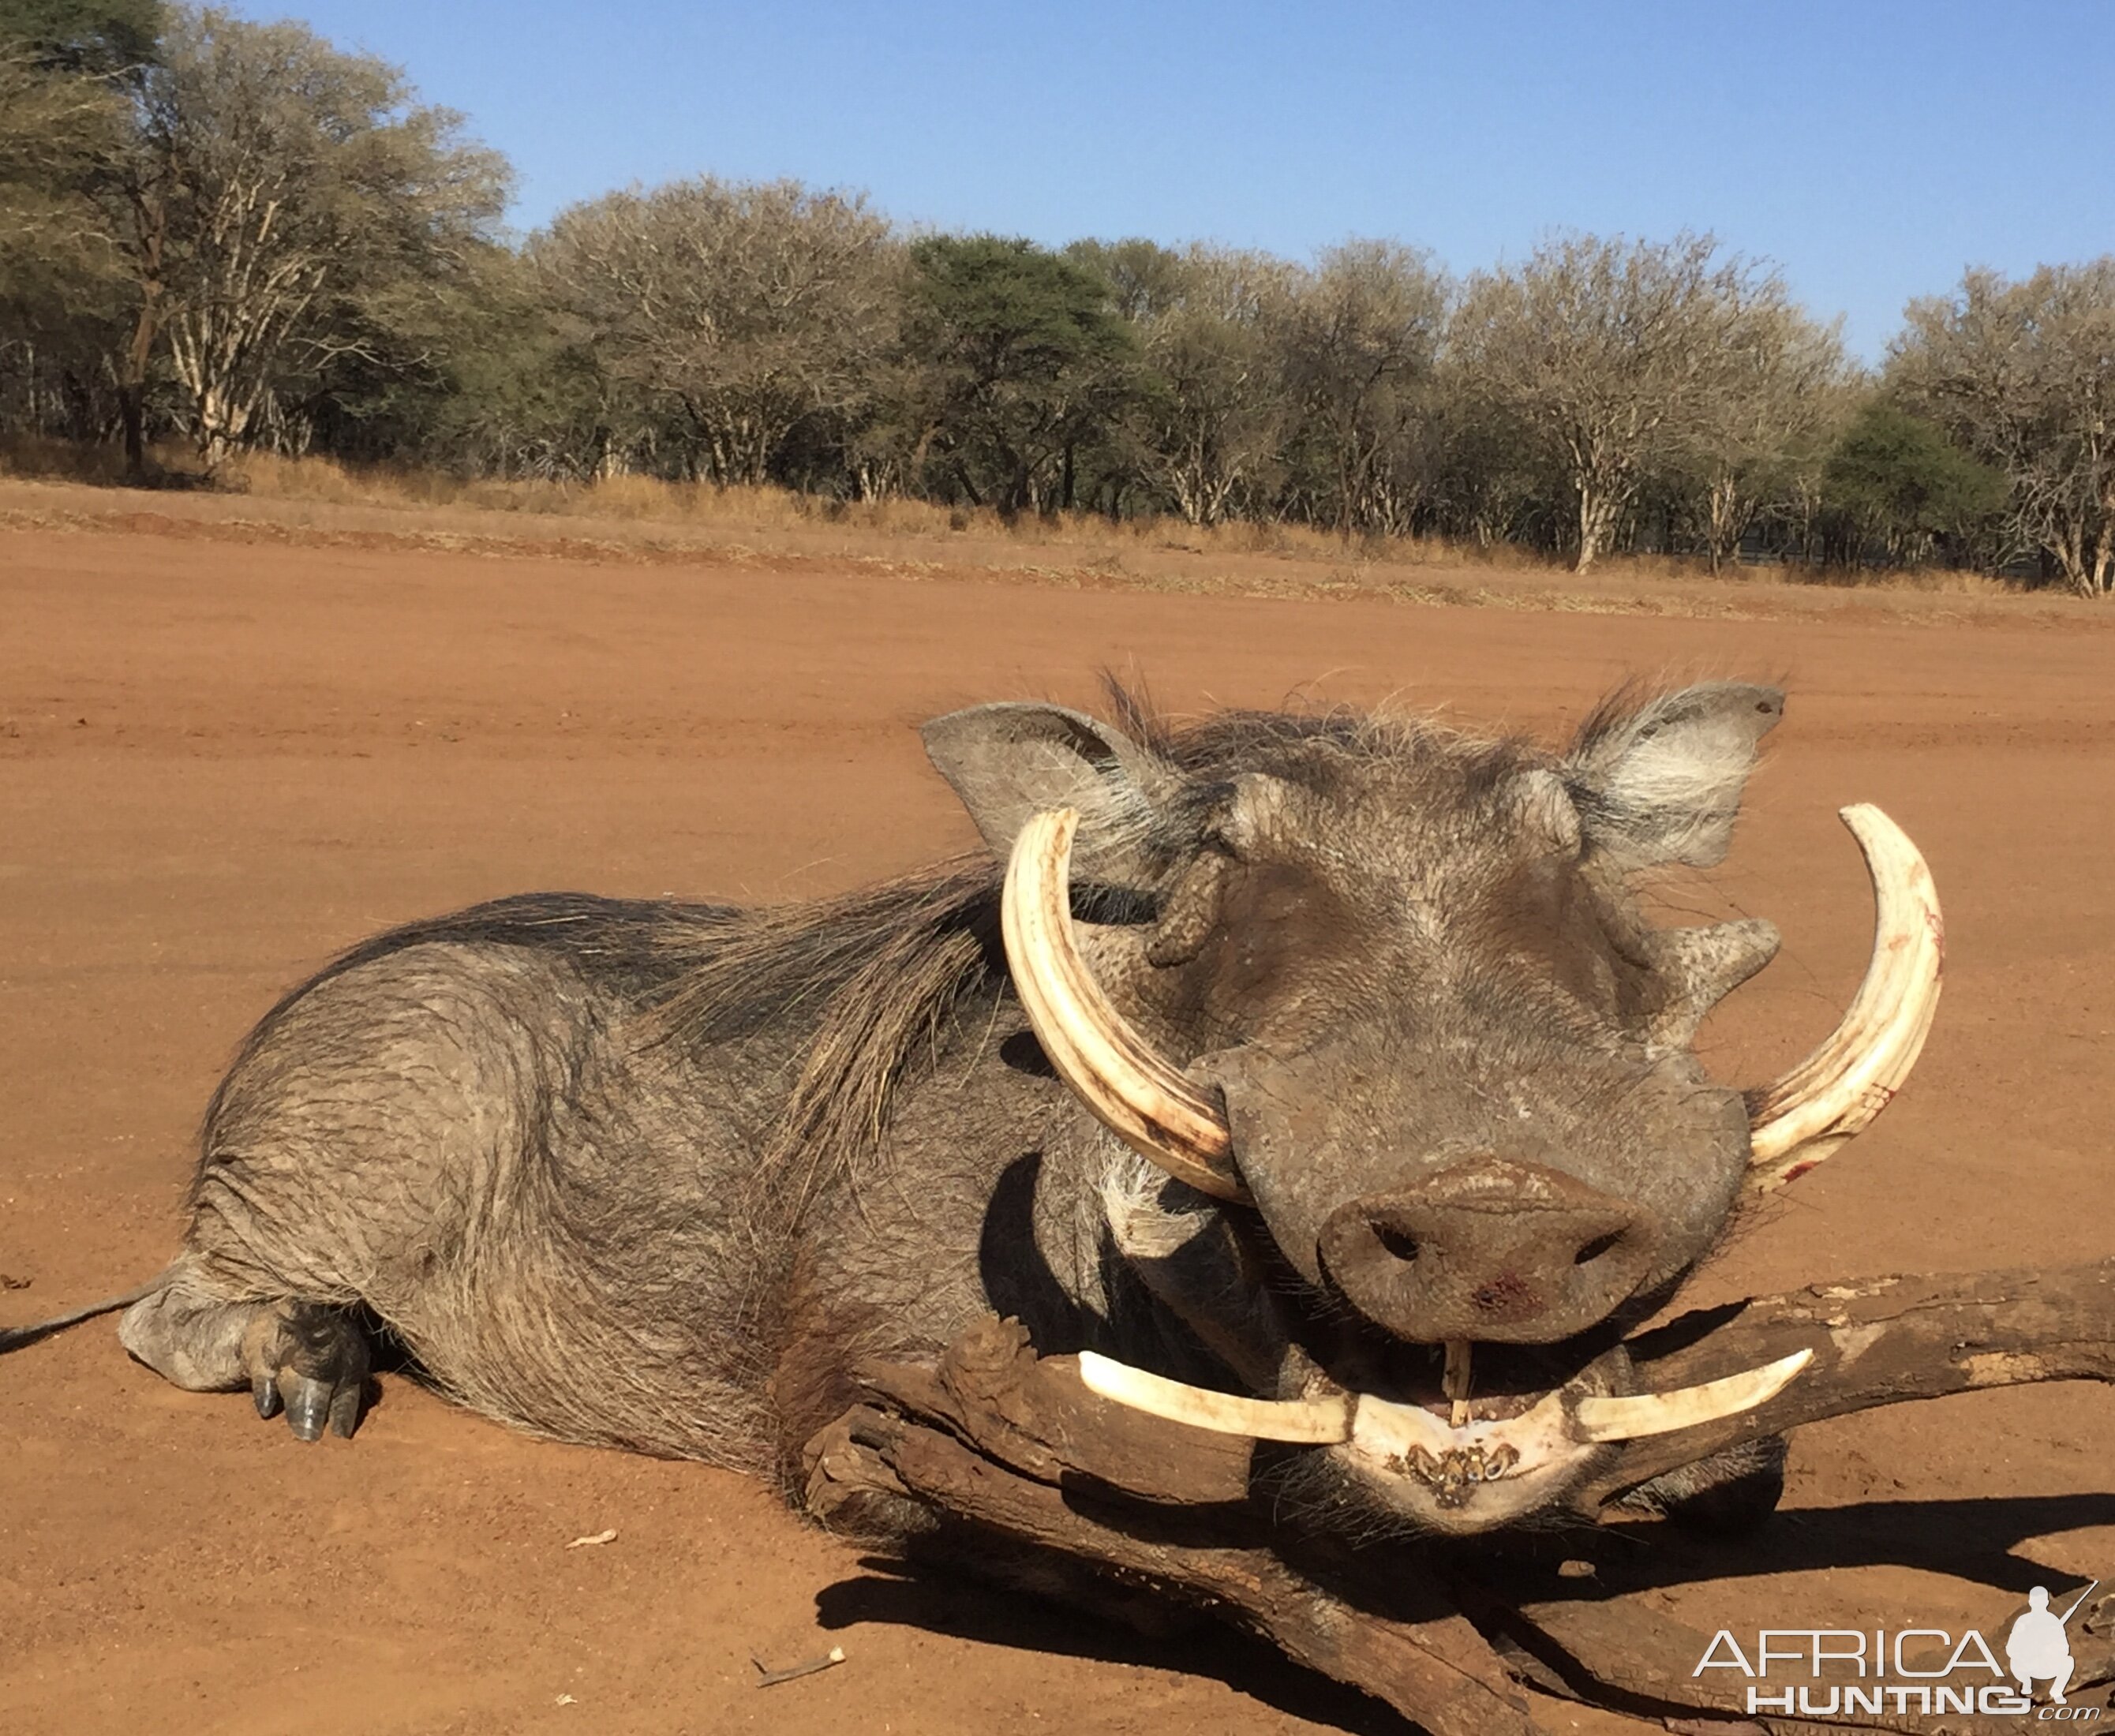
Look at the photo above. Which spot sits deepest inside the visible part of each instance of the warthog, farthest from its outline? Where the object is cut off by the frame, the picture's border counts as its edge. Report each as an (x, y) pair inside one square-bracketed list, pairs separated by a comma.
[(1320, 1075)]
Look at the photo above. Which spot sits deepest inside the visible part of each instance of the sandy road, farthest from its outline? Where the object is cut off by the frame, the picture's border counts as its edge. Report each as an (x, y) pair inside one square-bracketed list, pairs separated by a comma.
[(219, 762)]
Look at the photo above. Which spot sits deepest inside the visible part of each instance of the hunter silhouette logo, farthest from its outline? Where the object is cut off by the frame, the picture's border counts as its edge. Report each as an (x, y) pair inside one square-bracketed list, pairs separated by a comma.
[(1824, 1672), (2037, 1649)]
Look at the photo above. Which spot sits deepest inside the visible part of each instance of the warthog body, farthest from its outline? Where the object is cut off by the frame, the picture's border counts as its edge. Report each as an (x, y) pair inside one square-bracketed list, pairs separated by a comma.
[(658, 1176)]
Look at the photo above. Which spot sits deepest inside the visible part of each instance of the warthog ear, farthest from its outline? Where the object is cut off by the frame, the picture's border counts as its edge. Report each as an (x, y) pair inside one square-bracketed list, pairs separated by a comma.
[(1009, 763), (1661, 782)]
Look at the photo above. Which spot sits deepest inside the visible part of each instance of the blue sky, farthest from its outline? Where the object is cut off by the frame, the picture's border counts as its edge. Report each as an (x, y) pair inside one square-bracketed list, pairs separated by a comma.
[(1871, 150)]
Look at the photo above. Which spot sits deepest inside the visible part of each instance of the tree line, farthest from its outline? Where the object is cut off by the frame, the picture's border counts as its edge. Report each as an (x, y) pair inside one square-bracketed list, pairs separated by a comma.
[(237, 235)]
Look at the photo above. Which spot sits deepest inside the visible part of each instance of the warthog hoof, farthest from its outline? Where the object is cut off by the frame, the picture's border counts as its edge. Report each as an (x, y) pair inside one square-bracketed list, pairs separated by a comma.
[(311, 1361)]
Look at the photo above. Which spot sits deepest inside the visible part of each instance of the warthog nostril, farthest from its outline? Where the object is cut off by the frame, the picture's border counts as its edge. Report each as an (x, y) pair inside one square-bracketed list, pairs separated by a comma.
[(1487, 1248), (1399, 1242)]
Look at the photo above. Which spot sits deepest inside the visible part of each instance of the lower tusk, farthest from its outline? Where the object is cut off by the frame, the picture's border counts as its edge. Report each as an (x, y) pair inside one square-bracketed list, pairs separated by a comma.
[(1322, 1422), (1384, 1428), (1662, 1413)]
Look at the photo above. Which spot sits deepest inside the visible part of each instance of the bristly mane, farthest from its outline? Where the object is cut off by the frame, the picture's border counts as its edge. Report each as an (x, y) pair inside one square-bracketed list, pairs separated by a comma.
[(875, 978), (882, 971)]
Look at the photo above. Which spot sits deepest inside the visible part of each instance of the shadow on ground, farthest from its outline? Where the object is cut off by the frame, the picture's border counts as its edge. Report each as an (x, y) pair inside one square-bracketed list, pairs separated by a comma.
[(1977, 1541), (903, 1594)]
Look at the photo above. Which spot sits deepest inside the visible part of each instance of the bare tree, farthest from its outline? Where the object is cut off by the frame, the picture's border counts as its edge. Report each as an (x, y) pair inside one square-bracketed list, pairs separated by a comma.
[(1359, 344), (275, 183), (1215, 411), (2023, 374), (1803, 484), (749, 307), (1774, 401), (1608, 351)]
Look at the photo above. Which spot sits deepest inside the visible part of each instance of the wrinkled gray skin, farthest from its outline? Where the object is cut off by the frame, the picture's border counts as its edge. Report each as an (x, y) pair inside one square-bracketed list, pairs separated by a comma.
[(658, 1176)]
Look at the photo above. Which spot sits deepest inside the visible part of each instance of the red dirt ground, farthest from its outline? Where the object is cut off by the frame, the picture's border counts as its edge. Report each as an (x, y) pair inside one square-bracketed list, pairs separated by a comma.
[(220, 762)]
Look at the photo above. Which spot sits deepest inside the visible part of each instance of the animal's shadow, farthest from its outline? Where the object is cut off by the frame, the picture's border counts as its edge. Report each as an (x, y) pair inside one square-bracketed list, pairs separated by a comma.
[(938, 1601), (1975, 1540)]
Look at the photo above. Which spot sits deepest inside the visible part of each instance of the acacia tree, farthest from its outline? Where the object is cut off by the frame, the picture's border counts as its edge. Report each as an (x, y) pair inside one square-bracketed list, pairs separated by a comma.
[(1014, 356), (1606, 350), (2023, 374), (275, 194), (747, 307), (1895, 480)]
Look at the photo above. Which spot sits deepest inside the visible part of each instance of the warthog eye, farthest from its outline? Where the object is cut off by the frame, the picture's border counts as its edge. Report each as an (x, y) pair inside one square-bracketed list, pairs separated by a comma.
[(1593, 1250)]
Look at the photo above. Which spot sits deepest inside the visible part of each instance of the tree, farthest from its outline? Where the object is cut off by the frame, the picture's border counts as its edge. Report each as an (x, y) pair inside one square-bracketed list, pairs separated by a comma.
[(473, 374), (1770, 407), (105, 39), (2023, 374), (1017, 356), (1359, 341), (1607, 351), (1896, 479), (1144, 279), (1210, 410), (275, 194), (66, 70), (748, 309), (1492, 481)]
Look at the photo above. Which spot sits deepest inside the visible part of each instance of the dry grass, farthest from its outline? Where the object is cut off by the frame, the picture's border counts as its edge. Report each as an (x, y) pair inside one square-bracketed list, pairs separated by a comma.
[(650, 500), (322, 500), (645, 500)]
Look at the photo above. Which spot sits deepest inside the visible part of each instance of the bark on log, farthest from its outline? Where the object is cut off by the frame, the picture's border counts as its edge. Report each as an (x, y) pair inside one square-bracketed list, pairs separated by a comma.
[(1034, 1415), (975, 1452), (1439, 1673), (1877, 1341)]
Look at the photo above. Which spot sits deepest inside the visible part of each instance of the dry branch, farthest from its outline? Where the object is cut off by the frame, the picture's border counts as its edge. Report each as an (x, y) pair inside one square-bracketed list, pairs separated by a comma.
[(1876, 1341)]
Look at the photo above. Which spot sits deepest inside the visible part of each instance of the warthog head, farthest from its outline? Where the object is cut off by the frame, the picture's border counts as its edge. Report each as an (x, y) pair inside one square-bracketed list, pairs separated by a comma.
[(1381, 998)]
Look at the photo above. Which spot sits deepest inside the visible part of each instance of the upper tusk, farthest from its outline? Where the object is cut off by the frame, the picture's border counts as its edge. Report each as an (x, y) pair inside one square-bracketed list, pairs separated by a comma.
[(1662, 1413), (1837, 1091), (1133, 1091), (1321, 1421)]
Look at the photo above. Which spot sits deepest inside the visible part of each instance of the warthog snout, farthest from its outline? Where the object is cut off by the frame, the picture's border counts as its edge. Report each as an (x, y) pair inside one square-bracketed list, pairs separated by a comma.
[(1489, 1249)]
